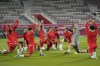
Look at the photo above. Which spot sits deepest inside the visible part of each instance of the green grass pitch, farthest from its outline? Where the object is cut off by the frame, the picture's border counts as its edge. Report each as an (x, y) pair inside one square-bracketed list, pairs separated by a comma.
[(52, 58)]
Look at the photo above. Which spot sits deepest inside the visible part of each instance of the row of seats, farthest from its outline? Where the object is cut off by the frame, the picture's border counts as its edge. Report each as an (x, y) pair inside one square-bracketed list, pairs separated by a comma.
[(59, 10)]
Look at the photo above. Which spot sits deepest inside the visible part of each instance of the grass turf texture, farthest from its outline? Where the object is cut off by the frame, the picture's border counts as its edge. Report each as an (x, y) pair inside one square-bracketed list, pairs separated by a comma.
[(52, 58)]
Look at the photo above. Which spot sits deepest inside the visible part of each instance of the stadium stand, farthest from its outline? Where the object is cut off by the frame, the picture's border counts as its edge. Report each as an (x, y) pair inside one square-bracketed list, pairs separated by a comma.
[(51, 11)]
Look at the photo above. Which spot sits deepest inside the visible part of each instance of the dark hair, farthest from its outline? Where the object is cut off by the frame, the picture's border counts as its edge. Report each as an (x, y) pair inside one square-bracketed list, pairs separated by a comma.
[(41, 27), (49, 27), (10, 31), (92, 27), (29, 29), (67, 28), (71, 30), (56, 27)]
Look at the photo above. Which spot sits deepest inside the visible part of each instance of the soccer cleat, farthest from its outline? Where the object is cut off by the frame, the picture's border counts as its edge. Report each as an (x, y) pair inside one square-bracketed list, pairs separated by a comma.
[(42, 55), (75, 53), (61, 49), (17, 55), (42, 48), (67, 53), (23, 52), (54, 48)]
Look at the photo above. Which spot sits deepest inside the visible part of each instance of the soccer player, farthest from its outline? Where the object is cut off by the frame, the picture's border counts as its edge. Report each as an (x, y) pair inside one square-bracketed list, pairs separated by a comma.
[(42, 38), (75, 37), (31, 43), (11, 34), (50, 39), (12, 43), (41, 34), (25, 41), (92, 31), (56, 36), (16, 36), (67, 38)]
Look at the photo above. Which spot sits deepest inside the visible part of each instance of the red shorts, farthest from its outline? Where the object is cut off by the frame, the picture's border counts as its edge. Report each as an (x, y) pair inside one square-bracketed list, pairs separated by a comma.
[(11, 46), (31, 49), (43, 41), (91, 48)]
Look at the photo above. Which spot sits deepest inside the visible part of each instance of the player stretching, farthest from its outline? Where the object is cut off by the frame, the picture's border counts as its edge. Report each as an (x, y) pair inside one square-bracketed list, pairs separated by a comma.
[(31, 43), (92, 31), (25, 42), (75, 37), (42, 38), (11, 40), (41, 34), (67, 38), (50, 39), (11, 33), (57, 38)]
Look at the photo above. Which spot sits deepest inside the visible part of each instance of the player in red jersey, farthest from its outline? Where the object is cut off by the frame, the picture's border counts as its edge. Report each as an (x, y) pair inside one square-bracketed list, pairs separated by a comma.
[(16, 36), (12, 43), (13, 28), (41, 34), (56, 36), (67, 38), (92, 31), (42, 38), (25, 41), (50, 39), (31, 43), (13, 33)]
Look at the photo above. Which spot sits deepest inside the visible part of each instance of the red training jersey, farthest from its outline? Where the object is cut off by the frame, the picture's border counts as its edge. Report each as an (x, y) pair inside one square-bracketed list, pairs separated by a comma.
[(30, 37), (67, 35), (51, 35), (92, 36), (41, 34), (56, 33), (10, 38)]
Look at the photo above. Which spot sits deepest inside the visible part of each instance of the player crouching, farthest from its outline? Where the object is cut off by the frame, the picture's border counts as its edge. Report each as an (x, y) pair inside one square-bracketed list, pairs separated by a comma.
[(12, 43)]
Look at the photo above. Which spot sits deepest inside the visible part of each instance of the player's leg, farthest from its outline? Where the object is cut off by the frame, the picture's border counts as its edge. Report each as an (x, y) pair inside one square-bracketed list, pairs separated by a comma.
[(11, 48), (25, 43), (75, 46), (31, 50), (42, 43), (18, 48), (60, 44), (68, 50), (53, 44), (90, 51), (41, 52), (94, 51), (49, 45), (21, 46), (56, 42)]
